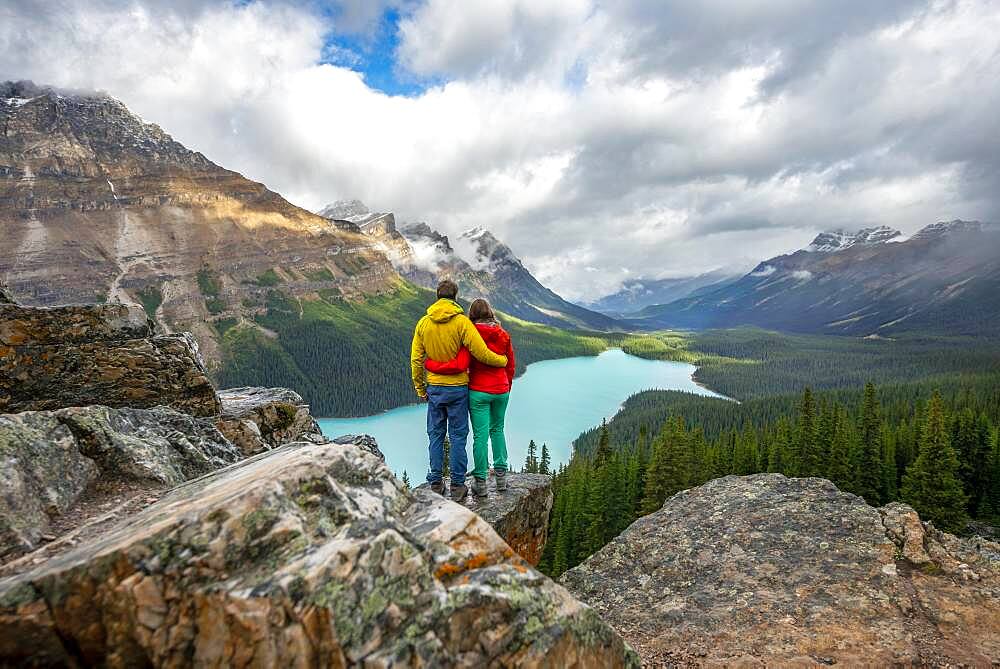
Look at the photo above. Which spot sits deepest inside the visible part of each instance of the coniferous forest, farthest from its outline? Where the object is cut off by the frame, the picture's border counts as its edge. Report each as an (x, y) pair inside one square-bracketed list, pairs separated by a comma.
[(937, 451)]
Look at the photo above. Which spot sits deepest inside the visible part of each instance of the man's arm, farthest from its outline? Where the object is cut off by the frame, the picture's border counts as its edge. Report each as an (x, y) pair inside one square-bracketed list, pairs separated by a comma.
[(478, 348), (457, 365), (417, 355)]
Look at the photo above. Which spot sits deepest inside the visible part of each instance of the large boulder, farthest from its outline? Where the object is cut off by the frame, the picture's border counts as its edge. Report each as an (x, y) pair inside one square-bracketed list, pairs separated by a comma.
[(520, 514), (769, 571), (259, 419), (106, 354), (49, 460), (307, 555)]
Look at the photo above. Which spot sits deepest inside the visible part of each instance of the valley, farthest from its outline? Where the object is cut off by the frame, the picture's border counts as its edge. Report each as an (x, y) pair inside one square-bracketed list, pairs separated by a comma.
[(552, 403)]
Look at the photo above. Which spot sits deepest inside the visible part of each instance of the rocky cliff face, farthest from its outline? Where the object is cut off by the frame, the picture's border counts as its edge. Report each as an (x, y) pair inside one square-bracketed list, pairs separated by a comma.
[(309, 555), (51, 461), (96, 203), (58, 357), (769, 571), (258, 419), (520, 514)]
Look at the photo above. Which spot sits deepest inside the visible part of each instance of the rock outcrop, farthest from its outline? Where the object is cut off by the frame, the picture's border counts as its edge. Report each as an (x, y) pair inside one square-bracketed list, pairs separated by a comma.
[(5, 296), (50, 460), (769, 571), (520, 514), (259, 419), (106, 354), (308, 555)]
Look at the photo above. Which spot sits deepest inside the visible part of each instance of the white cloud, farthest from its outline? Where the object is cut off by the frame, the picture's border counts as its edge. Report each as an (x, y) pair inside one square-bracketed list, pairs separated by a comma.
[(802, 275), (665, 137)]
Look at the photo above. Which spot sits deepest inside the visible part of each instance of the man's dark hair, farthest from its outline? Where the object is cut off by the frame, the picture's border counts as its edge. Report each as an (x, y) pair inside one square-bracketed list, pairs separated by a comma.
[(447, 290)]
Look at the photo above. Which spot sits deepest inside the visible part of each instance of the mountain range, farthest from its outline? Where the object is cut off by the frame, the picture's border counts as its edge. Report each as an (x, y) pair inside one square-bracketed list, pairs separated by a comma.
[(482, 265), (637, 294), (875, 282)]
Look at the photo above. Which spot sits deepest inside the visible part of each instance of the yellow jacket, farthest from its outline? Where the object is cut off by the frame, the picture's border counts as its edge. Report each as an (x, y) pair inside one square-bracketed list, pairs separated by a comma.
[(439, 335)]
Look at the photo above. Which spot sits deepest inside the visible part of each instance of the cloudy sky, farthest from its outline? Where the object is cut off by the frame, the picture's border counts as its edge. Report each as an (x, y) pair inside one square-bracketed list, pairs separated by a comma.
[(601, 140)]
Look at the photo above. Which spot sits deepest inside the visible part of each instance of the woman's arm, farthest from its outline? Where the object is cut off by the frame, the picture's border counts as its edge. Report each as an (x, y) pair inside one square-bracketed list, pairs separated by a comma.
[(457, 365), (511, 364)]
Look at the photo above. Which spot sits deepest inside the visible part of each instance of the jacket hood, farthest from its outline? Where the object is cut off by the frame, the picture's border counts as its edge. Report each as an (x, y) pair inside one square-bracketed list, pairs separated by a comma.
[(444, 310), (492, 333)]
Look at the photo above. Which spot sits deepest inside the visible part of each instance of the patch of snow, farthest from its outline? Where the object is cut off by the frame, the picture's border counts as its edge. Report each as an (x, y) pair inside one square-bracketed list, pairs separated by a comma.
[(18, 102), (802, 275), (839, 240), (766, 270), (112, 186)]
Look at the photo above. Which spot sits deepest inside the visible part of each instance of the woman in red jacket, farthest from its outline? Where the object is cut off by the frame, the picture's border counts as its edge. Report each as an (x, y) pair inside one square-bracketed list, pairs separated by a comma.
[(489, 392)]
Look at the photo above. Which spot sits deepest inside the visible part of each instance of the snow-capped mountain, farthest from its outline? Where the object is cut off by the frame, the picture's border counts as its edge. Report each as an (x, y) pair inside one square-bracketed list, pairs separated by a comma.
[(838, 240), (945, 278), (484, 266)]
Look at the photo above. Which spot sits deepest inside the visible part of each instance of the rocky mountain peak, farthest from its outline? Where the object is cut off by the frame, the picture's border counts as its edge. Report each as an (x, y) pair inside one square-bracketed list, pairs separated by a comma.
[(345, 210), (79, 127), (943, 228), (839, 240)]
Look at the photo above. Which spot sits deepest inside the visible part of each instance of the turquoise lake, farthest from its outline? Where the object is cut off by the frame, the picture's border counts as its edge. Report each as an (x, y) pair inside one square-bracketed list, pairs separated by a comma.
[(552, 402)]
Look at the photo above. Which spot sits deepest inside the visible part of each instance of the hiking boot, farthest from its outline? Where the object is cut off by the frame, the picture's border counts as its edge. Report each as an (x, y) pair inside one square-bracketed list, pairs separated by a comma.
[(479, 487), (501, 480), (438, 487), (459, 492)]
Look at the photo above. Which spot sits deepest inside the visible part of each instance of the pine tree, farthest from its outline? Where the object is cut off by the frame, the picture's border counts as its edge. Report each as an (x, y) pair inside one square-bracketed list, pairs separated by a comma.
[(810, 459), (970, 437), (745, 453), (838, 467), (545, 464), (603, 452), (668, 470), (932, 485), (890, 489), (870, 478), (531, 462), (779, 454), (406, 480)]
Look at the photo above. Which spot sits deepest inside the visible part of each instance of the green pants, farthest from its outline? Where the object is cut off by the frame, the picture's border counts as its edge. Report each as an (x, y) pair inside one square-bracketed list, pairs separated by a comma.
[(486, 414)]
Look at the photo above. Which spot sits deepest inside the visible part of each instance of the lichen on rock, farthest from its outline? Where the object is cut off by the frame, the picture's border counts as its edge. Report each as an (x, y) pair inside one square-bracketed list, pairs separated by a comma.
[(307, 555), (48, 459), (259, 419), (767, 570), (519, 514)]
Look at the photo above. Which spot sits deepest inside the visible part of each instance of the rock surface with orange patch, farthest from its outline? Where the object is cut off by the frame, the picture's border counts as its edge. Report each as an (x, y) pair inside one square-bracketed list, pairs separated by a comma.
[(769, 571), (105, 354), (307, 555), (520, 514)]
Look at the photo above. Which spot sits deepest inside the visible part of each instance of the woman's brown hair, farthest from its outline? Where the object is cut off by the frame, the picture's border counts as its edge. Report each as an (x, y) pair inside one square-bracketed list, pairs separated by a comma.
[(480, 311)]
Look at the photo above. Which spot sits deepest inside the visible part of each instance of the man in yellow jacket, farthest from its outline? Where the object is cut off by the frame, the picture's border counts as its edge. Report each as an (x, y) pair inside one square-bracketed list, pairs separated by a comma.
[(439, 336)]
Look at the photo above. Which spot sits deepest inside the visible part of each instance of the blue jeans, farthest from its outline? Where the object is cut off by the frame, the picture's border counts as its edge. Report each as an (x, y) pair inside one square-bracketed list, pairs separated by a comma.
[(448, 409)]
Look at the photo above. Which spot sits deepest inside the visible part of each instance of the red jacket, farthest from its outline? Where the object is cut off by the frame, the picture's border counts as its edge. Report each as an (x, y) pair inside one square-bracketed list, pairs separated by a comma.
[(482, 377)]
